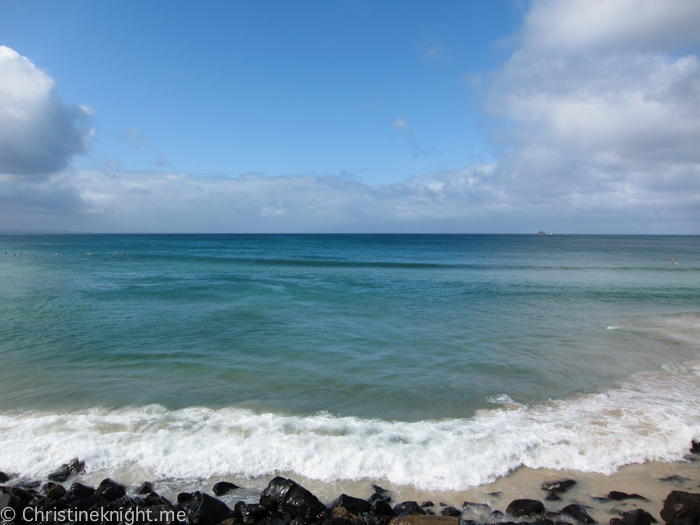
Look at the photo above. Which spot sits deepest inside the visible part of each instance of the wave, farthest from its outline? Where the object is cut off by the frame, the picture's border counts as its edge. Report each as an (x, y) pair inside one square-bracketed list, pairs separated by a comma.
[(653, 416)]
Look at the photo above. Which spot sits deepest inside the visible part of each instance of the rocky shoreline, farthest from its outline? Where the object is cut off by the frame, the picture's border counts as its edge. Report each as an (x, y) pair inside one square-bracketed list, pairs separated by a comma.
[(286, 502)]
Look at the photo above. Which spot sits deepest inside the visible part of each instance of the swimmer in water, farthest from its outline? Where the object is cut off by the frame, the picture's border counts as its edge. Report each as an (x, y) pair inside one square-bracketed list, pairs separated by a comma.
[(673, 260)]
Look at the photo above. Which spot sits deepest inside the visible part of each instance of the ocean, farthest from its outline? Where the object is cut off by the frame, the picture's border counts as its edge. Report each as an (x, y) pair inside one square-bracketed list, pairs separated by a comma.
[(440, 362)]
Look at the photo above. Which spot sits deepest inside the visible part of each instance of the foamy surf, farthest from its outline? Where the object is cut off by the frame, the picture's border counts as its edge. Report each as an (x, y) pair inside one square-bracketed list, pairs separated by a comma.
[(653, 416)]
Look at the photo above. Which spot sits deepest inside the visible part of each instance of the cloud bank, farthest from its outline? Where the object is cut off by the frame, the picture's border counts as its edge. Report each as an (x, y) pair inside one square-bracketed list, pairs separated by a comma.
[(599, 121)]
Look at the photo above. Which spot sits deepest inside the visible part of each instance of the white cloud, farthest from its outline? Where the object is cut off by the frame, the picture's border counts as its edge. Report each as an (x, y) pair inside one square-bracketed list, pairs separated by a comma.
[(38, 132), (602, 116)]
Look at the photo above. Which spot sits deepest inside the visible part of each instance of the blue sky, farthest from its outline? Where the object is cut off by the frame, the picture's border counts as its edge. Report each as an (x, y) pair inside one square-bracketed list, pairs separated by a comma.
[(398, 116)]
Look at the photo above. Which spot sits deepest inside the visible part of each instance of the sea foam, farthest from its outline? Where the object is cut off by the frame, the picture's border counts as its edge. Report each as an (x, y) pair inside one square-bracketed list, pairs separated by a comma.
[(653, 416)]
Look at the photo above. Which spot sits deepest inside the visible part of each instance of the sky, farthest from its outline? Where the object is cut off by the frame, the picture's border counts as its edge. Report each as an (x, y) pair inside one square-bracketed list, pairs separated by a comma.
[(350, 116)]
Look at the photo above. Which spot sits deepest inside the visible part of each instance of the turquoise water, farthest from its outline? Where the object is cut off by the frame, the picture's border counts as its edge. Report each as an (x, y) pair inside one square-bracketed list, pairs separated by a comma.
[(314, 330)]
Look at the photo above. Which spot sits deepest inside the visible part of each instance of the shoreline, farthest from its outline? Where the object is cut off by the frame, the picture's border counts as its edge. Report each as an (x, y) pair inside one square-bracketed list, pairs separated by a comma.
[(654, 481)]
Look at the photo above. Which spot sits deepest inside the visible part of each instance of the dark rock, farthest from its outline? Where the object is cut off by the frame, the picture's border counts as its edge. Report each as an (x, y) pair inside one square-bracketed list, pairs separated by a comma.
[(600, 499), (377, 495), (162, 515), (407, 508), (289, 497), (63, 472), (451, 511), (673, 479), (342, 512), (525, 507), (471, 504), (552, 496), (273, 521), (379, 490), (561, 485), (495, 494), (23, 495), (8, 500), (681, 508), (430, 512), (110, 490), (353, 505), (184, 498), (154, 498), (48, 486), (578, 512), (4, 478), (620, 496), (637, 517), (83, 504), (337, 521), (382, 508), (695, 447), (78, 491), (368, 518), (223, 487), (56, 492), (542, 522), (562, 523), (252, 513), (497, 514), (145, 488), (427, 504), (203, 509)]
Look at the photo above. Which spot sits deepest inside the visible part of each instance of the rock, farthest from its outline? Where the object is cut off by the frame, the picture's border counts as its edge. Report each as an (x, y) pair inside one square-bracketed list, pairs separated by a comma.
[(56, 492), (353, 505), (620, 496), (289, 497), (424, 520), (273, 521), (252, 513), (78, 491), (695, 447), (552, 496), (497, 514), (377, 495), (110, 490), (381, 507), (379, 490), (145, 488), (63, 472), (430, 512), (578, 512), (673, 479), (600, 499), (471, 504), (428, 504), (562, 523), (636, 517), (223, 487), (8, 500), (204, 509), (408, 508), (343, 513), (4, 478), (525, 507), (542, 522), (337, 521), (451, 511), (561, 485), (681, 508)]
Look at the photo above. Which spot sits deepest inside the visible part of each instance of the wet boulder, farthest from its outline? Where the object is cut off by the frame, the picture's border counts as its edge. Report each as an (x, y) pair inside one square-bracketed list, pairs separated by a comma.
[(408, 508), (450, 511), (145, 488), (288, 497), (578, 512), (525, 507), (110, 490), (78, 491), (203, 509), (55, 492), (681, 508), (4, 478), (561, 485), (621, 496), (353, 505), (252, 513), (634, 517), (380, 507), (63, 472), (223, 487)]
